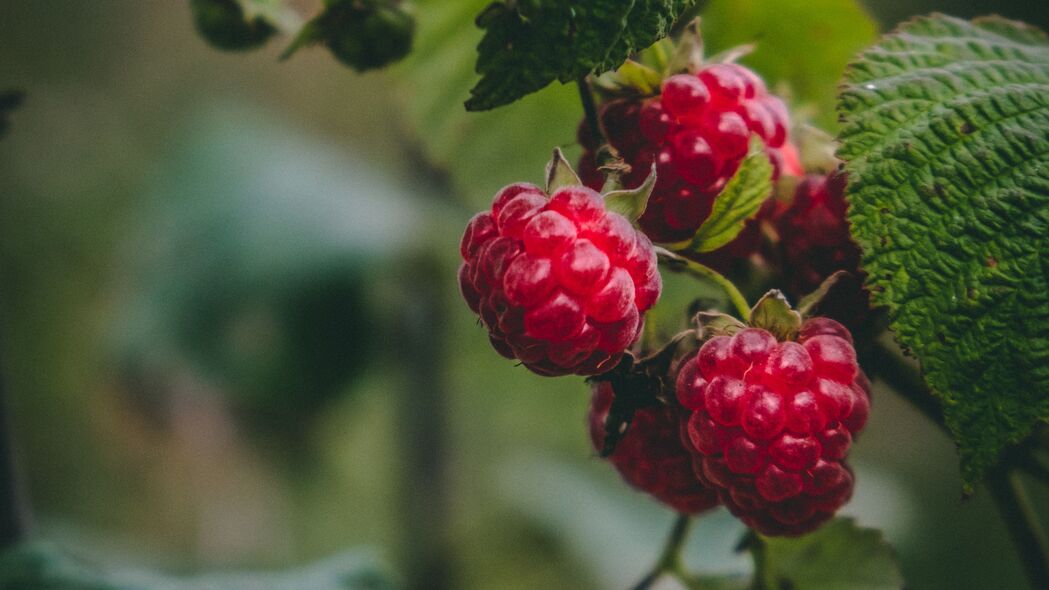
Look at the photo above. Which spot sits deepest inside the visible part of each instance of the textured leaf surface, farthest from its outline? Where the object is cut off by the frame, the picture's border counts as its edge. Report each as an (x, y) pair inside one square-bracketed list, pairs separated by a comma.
[(740, 201), (42, 565), (528, 45), (946, 135), (804, 43), (838, 556)]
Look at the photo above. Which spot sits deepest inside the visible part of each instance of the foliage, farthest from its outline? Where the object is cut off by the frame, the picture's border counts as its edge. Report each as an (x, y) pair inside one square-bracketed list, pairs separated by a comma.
[(946, 135)]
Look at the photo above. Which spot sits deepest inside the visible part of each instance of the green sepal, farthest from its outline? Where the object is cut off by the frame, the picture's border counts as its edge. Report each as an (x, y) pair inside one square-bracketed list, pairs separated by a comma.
[(711, 323), (559, 173), (631, 203), (632, 79), (688, 55), (811, 302), (773, 313)]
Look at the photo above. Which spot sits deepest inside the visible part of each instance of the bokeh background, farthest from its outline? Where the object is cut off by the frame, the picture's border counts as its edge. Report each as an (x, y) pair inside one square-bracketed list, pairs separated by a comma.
[(231, 337)]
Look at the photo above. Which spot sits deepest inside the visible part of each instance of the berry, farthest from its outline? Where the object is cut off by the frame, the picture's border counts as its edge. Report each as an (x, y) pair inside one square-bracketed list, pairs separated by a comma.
[(559, 282), (651, 456), (814, 234), (697, 131), (772, 421)]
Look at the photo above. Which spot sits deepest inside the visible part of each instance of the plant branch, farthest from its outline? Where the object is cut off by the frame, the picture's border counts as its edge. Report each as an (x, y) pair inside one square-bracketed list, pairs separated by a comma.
[(676, 263), (669, 560), (586, 96), (14, 513), (1022, 521)]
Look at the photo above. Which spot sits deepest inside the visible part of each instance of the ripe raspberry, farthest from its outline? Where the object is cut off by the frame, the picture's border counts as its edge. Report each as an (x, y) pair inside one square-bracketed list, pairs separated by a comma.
[(559, 282), (814, 234), (697, 132), (772, 423), (651, 456)]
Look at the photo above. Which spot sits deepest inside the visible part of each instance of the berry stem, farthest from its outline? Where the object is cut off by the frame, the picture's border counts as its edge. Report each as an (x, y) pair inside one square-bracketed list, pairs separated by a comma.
[(1019, 516), (586, 96), (670, 559), (675, 263)]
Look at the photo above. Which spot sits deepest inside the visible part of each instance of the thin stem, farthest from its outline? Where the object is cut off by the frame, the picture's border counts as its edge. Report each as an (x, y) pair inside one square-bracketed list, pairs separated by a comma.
[(14, 513), (1030, 465), (586, 96), (676, 263), (669, 560), (1022, 522)]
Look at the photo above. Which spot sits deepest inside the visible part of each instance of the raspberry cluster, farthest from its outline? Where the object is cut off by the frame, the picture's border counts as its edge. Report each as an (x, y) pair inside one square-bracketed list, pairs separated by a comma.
[(651, 456), (814, 234), (559, 282), (697, 131), (772, 423)]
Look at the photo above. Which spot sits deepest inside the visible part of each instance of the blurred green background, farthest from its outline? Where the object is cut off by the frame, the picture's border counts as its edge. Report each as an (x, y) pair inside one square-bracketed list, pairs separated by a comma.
[(231, 335)]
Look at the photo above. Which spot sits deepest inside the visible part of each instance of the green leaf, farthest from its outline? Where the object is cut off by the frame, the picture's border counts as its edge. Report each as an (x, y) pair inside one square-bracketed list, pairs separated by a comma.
[(946, 138), (812, 301), (225, 25), (631, 203), (804, 43), (838, 556), (364, 35), (738, 202), (528, 45), (559, 173), (717, 324), (773, 313), (42, 565)]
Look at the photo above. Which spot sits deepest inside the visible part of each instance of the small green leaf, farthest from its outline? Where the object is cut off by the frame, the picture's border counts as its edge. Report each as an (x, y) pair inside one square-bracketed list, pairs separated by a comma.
[(362, 34), (739, 201), (717, 324), (946, 139), (528, 45), (631, 203), (838, 556), (812, 301), (688, 55), (559, 173), (224, 24), (774, 313), (632, 79)]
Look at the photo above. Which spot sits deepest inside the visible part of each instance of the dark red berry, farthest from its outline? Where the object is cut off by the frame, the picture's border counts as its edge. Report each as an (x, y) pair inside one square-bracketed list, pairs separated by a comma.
[(697, 131), (814, 234), (772, 421), (559, 282), (651, 455)]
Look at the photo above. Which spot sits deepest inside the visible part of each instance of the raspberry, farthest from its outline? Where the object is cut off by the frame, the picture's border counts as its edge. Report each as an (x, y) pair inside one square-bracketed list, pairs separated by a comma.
[(559, 282), (814, 234), (697, 132), (771, 423), (651, 456)]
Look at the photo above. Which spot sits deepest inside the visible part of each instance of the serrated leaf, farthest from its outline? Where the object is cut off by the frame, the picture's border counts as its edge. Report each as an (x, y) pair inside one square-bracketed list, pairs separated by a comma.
[(559, 173), (528, 45), (42, 565), (838, 556), (631, 203), (717, 324), (739, 201), (803, 43), (946, 138), (774, 313)]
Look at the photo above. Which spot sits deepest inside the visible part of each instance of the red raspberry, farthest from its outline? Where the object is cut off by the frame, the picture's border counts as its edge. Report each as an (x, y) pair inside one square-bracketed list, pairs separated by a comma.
[(772, 423), (814, 234), (697, 132), (651, 456), (559, 282)]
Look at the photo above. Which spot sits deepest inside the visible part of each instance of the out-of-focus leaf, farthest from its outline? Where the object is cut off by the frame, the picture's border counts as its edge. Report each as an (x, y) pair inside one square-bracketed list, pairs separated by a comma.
[(946, 139), (838, 556), (42, 566), (481, 151), (805, 43), (225, 25), (528, 45), (364, 35)]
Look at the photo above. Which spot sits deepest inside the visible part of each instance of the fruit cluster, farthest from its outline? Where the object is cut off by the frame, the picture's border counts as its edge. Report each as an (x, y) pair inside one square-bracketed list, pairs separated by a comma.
[(772, 422), (651, 456), (559, 282), (697, 132)]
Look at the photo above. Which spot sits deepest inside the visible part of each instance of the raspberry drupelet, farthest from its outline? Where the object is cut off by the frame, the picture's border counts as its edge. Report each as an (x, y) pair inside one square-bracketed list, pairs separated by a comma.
[(772, 422), (697, 131), (559, 282), (651, 457)]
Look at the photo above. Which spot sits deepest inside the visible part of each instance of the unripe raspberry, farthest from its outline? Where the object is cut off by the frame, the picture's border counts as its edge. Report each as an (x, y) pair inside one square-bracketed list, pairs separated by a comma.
[(697, 131), (559, 282), (814, 234), (772, 422), (651, 456)]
